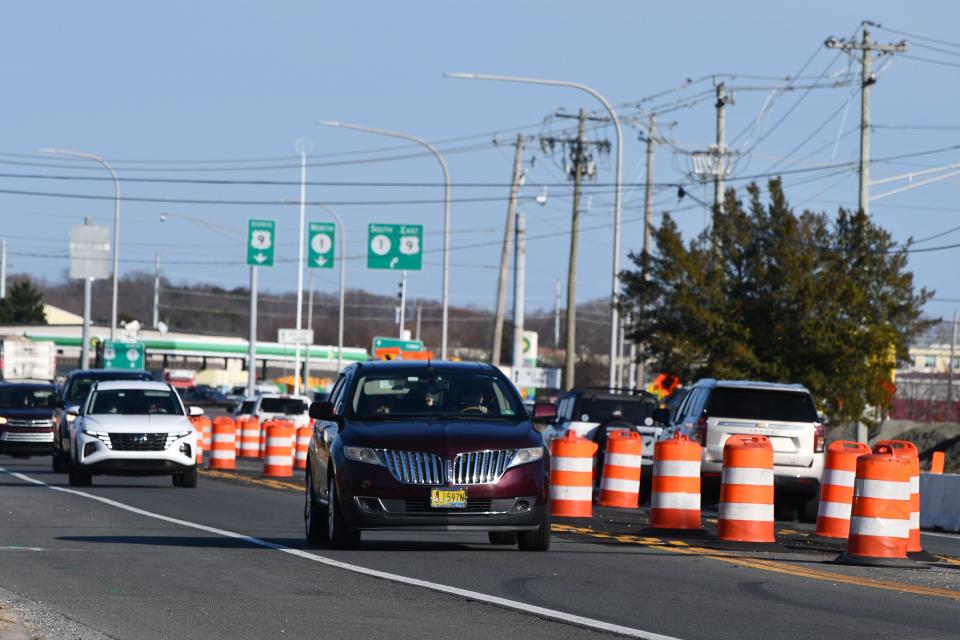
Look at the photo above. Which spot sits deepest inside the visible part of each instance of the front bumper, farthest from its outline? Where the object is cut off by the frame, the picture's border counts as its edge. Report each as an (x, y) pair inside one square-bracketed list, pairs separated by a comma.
[(26, 441), (372, 499), (99, 459)]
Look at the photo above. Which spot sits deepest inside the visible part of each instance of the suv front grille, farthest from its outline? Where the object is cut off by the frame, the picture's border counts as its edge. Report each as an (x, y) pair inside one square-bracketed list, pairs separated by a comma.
[(16, 422), (481, 467), (413, 467), (141, 441)]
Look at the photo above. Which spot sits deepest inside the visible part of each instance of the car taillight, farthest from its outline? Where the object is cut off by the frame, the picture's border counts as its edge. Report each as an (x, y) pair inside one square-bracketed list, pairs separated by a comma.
[(700, 431), (818, 440)]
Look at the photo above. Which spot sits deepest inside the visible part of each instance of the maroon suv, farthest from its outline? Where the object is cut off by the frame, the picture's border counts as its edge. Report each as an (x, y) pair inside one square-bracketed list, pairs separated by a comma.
[(429, 446)]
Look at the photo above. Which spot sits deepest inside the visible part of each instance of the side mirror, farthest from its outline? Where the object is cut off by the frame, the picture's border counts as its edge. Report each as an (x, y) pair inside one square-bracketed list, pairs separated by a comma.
[(544, 412), (73, 411), (195, 411), (322, 411), (661, 415)]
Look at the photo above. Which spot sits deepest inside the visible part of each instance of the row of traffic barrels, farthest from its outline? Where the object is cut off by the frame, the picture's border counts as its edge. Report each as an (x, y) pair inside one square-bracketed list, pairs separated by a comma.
[(279, 443), (871, 498)]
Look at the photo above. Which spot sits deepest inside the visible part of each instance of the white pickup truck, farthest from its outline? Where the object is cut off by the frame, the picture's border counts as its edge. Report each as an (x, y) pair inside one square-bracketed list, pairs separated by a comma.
[(24, 359)]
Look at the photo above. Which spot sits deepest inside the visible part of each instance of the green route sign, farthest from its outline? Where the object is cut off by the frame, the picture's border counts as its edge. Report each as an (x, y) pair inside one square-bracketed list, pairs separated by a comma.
[(396, 343), (321, 242), (122, 355), (395, 246), (261, 240)]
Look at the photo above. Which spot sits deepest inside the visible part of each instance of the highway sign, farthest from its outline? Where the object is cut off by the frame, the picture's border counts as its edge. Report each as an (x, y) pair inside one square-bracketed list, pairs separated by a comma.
[(536, 377), (261, 240), (322, 236), (122, 355), (395, 246), (295, 336), (89, 251), (396, 343)]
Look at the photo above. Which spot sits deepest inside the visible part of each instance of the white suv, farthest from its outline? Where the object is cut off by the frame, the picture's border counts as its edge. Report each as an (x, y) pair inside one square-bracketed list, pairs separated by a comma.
[(274, 406), (714, 410), (133, 428)]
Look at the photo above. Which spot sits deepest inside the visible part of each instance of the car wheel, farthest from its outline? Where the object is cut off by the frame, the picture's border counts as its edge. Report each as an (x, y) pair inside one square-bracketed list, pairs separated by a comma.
[(188, 479), (79, 477), (57, 462), (808, 509), (536, 540), (341, 536), (507, 538), (314, 515)]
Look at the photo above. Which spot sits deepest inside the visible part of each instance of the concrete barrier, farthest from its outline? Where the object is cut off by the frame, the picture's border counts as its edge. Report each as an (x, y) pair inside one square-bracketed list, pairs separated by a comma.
[(940, 501)]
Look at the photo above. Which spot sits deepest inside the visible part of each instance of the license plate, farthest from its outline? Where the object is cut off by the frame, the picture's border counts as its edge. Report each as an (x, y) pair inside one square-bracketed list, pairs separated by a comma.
[(448, 498)]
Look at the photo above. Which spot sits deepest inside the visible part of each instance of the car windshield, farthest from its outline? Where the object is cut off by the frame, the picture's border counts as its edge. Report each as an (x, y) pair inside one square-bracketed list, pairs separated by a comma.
[(594, 409), (26, 398), (248, 406), (287, 406), (468, 394), (137, 402), (80, 386), (762, 404)]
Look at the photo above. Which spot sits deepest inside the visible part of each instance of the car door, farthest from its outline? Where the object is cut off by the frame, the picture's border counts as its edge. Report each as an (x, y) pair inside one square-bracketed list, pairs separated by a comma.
[(324, 431)]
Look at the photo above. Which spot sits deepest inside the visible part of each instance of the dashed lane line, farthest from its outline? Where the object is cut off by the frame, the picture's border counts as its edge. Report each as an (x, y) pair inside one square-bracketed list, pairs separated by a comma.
[(542, 612)]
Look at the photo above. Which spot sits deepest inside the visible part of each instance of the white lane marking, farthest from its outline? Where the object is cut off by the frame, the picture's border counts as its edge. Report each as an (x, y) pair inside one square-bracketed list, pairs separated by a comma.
[(941, 534), (14, 547), (505, 603)]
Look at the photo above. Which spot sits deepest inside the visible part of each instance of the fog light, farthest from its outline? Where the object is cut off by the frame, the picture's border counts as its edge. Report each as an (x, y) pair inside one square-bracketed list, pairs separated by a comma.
[(522, 504), (185, 449), (89, 449), (369, 505)]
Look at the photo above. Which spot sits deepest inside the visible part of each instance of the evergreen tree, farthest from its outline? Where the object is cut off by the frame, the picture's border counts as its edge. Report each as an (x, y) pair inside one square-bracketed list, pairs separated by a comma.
[(23, 305), (768, 294)]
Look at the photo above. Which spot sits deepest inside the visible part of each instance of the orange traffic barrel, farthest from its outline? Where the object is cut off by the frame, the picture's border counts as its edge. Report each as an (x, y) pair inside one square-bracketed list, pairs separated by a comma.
[(880, 518), (620, 482), (263, 437), (908, 450), (303, 444), (571, 476), (746, 490), (836, 488), (202, 444), (278, 459), (223, 453), (249, 437), (936, 462), (675, 493)]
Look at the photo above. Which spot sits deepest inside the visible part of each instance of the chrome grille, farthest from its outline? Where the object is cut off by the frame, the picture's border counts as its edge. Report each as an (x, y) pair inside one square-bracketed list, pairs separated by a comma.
[(481, 467), (29, 423), (13, 436), (413, 467), (141, 441)]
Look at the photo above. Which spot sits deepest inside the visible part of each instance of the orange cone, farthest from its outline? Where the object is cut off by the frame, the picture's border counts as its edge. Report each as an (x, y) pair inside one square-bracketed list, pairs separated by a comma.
[(278, 461), (936, 462), (746, 490), (880, 518), (303, 444), (675, 494), (571, 476), (223, 453), (202, 445), (620, 482), (908, 450), (836, 488)]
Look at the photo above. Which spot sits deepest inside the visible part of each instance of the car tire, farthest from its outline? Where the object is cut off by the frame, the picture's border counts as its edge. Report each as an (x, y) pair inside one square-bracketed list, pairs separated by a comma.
[(314, 515), (536, 540), (57, 462), (79, 477), (808, 509), (341, 536), (187, 479), (506, 538)]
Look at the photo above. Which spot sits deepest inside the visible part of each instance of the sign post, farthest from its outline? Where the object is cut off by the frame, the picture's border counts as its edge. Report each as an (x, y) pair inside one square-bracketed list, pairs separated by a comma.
[(89, 259), (321, 243), (395, 246), (261, 240)]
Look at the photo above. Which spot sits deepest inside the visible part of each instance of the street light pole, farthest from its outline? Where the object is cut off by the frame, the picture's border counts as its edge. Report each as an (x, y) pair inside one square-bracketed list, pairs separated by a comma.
[(116, 222), (618, 188), (303, 147), (444, 298)]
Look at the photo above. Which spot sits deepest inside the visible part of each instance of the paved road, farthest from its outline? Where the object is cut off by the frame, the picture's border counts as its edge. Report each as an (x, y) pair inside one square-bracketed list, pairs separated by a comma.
[(123, 570)]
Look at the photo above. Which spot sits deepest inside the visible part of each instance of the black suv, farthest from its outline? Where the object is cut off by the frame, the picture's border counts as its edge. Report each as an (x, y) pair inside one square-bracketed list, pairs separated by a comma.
[(72, 394), (26, 418)]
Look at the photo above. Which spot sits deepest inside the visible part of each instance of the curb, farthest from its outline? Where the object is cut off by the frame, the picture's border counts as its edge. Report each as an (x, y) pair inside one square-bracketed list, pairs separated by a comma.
[(10, 625)]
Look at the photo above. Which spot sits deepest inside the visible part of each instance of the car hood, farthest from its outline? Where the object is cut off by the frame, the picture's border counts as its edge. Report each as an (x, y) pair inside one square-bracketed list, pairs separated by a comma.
[(443, 437), (156, 423)]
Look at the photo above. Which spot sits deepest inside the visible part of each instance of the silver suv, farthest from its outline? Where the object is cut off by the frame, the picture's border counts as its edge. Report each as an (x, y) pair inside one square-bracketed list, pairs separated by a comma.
[(714, 410)]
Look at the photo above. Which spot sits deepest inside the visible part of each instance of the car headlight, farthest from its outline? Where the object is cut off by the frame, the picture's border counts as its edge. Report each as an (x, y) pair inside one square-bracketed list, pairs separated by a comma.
[(173, 437), (102, 436), (71, 417), (3, 420), (362, 454), (523, 456)]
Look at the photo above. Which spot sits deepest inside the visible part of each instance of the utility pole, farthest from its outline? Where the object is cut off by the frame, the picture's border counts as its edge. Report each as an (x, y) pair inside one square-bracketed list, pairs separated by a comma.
[(718, 184), (519, 293), (252, 357), (950, 369), (556, 315), (306, 356), (3, 268), (867, 79), (639, 370), (403, 303), (87, 295), (505, 251), (419, 312), (570, 343), (156, 291)]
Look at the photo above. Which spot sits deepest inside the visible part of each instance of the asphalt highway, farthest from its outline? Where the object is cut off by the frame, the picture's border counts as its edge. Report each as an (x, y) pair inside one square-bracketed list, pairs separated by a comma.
[(138, 558)]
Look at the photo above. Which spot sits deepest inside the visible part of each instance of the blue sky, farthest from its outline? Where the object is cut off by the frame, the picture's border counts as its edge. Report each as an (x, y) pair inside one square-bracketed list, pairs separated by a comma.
[(221, 90)]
